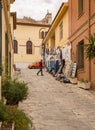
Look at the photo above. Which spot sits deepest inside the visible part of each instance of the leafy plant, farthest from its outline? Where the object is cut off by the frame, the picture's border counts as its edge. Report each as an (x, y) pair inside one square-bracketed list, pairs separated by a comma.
[(90, 48), (83, 80), (10, 115), (14, 91), (2, 111), (21, 121)]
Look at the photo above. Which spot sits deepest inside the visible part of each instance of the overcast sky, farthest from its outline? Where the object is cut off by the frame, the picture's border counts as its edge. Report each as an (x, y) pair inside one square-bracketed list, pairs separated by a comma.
[(36, 9)]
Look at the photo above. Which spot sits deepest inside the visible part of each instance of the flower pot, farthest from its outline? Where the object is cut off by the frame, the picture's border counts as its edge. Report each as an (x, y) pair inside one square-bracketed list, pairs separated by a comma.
[(84, 85), (7, 126)]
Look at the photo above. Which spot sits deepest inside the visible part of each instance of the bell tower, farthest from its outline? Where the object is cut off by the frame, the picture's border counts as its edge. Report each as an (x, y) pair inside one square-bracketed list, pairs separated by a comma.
[(48, 17)]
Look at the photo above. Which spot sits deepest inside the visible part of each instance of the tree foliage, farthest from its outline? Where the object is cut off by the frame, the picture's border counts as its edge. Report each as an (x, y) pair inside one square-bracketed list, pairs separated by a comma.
[(10, 115), (2, 111), (14, 91), (90, 48)]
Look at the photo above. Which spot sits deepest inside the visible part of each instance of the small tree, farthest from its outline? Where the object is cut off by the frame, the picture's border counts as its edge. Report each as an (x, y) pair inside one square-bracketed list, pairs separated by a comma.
[(21, 121), (14, 91), (10, 115), (90, 48), (2, 111)]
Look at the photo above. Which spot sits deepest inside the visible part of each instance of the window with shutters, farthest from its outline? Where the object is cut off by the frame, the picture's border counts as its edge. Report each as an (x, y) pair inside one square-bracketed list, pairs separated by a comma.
[(29, 47), (15, 46), (80, 53), (80, 7)]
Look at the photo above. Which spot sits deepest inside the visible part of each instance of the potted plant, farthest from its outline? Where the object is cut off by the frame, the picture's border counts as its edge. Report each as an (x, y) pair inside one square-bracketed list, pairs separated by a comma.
[(4, 124), (18, 118), (13, 118), (85, 84), (2, 111), (90, 48), (14, 91)]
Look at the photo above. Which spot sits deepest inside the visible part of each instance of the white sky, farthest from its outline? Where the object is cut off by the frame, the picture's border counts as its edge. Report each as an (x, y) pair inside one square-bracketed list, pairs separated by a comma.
[(36, 9)]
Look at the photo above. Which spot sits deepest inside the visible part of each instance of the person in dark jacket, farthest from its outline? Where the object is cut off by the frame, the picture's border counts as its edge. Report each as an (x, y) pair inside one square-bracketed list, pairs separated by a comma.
[(41, 68)]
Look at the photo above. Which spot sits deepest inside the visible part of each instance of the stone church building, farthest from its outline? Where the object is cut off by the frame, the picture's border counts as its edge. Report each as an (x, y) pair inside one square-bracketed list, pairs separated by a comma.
[(28, 38)]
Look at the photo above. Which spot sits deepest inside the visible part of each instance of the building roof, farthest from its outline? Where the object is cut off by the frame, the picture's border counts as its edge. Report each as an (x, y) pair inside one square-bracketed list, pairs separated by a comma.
[(30, 21), (56, 20)]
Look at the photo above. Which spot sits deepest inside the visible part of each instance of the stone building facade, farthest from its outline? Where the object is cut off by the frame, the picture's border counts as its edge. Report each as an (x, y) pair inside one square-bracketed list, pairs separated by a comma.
[(81, 27), (28, 38)]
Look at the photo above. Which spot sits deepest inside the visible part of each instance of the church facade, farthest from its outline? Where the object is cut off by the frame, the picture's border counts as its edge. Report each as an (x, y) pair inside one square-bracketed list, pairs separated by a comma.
[(28, 38)]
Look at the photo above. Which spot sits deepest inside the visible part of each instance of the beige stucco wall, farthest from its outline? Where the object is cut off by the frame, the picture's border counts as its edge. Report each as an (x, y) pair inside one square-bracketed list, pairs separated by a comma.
[(12, 53), (4, 29), (64, 40), (6, 36), (22, 34), (53, 36)]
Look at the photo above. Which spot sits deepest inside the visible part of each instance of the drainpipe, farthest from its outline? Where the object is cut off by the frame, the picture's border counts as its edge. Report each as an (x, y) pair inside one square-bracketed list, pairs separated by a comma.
[(89, 33), (0, 44)]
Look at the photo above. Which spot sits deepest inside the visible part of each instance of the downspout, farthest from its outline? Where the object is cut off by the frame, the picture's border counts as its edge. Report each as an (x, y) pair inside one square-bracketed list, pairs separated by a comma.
[(89, 33), (0, 44)]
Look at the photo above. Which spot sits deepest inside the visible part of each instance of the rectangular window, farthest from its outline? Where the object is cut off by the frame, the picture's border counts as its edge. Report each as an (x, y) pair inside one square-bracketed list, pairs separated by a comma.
[(61, 30), (80, 7), (80, 51)]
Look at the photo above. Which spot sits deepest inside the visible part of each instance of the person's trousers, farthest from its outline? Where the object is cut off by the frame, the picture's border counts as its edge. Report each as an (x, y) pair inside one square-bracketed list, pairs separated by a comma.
[(40, 70)]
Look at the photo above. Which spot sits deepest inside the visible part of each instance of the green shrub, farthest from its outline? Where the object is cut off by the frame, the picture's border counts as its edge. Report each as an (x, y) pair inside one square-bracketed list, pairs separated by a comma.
[(2, 111), (10, 115), (14, 91), (90, 48), (21, 121)]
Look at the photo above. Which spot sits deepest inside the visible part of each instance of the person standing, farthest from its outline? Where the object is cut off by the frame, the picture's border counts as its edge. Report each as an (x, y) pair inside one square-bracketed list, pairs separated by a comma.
[(41, 68)]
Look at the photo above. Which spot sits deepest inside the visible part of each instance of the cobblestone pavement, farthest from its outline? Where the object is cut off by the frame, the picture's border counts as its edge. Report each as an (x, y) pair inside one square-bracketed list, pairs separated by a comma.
[(53, 105)]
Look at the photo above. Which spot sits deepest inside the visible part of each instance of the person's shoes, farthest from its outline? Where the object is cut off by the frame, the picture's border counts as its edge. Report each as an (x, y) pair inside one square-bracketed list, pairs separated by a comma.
[(42, 75)]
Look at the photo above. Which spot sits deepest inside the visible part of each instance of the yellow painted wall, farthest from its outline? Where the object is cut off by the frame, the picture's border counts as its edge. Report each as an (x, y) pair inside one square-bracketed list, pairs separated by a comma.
[(5, 32), (12, 52), (4, 28), (22, 34), (53, 36), (63, 41)]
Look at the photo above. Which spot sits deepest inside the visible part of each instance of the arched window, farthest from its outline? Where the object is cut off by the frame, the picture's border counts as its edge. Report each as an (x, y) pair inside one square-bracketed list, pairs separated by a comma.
[(46, 33), (29, 47), (15, 46), (43, 34)]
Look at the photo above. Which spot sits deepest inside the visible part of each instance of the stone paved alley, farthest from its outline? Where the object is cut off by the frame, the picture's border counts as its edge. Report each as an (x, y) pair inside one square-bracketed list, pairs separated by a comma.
[(53, 105)]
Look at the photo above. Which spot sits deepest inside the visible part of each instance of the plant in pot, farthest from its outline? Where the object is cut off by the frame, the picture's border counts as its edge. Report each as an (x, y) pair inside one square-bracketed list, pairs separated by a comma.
[(4, 124), (13, 118), (85, 84), (14, 91), (2, 111), (18, 118), (90, 48)]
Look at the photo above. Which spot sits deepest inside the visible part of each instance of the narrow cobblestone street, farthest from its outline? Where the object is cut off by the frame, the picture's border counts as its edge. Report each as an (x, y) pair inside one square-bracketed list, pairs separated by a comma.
[(52, 105)]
